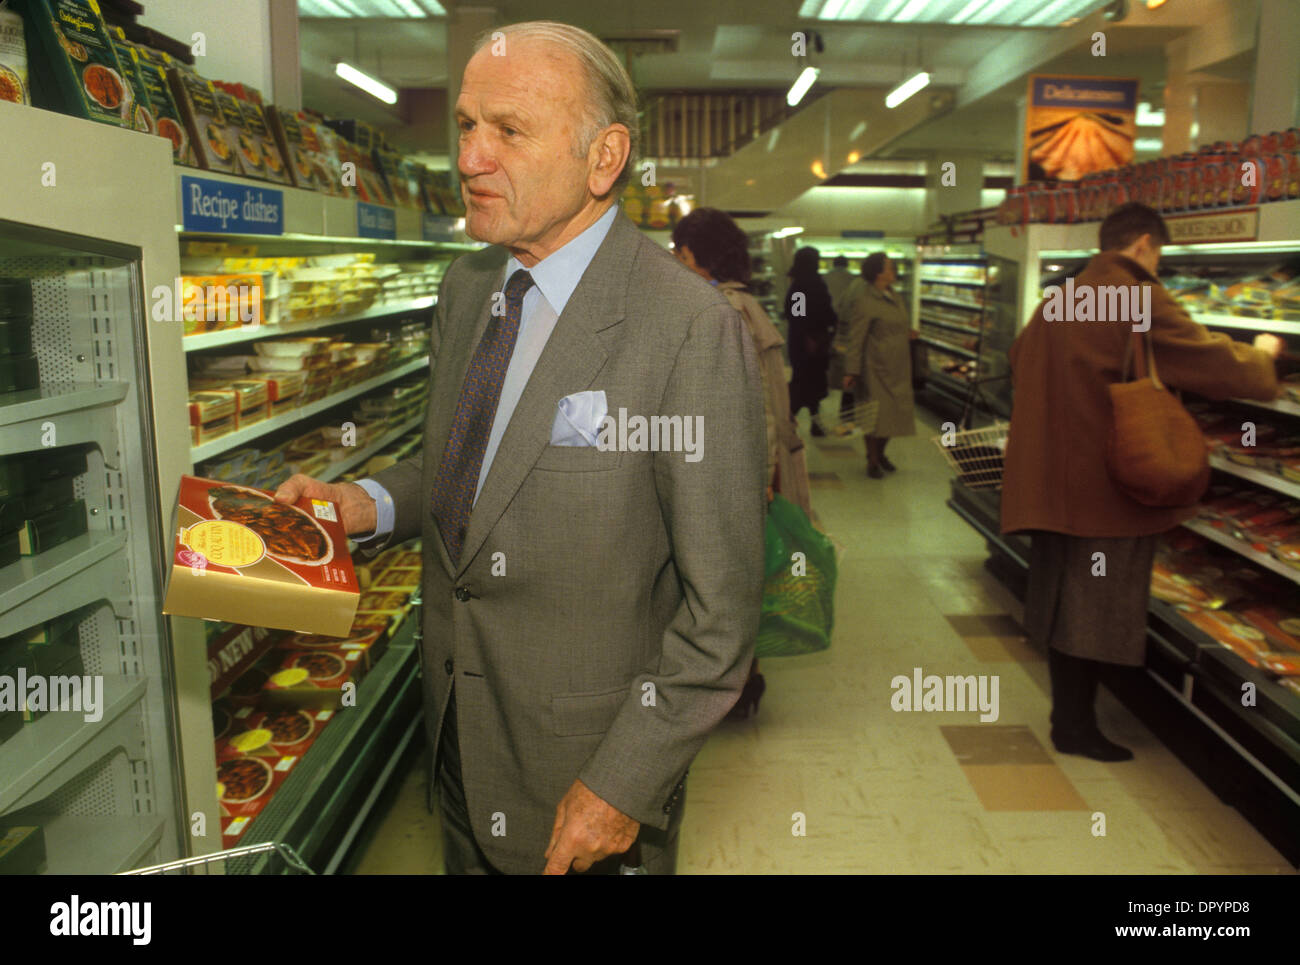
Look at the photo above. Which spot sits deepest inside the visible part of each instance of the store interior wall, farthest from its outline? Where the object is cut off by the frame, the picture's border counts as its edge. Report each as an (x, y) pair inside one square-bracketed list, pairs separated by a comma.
[(236, 36)]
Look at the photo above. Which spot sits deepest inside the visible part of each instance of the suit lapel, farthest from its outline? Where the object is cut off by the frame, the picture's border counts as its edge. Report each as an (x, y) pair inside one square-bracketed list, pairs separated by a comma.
[(573, 356)]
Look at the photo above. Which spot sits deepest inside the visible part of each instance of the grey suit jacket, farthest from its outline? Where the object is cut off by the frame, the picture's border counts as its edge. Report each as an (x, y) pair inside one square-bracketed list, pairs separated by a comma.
[(602, 617)]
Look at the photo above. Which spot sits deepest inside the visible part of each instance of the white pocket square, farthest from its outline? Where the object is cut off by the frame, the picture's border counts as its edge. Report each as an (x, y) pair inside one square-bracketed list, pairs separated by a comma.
[(578, 418)]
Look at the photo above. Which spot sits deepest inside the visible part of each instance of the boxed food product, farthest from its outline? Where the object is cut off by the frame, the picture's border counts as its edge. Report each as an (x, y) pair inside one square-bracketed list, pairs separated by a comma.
[(137, 112), (208, 129), (398, 578), (168, 122), (313, 678), (233, 651), (1280, 626), (371, 643), (22, 849), (275, 733), (19, 373), (13, 60), (263, 141), (251, 162), (240, 556), (73, 66), (211, 405), (1229, 629), (53, 528), (245, 785)]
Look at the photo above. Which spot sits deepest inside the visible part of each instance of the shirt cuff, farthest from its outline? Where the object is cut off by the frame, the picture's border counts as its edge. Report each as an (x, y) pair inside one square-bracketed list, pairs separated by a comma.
[(373, 542)]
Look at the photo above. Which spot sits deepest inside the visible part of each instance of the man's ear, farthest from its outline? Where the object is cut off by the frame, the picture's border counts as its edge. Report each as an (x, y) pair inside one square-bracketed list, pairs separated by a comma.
[(609, 152)]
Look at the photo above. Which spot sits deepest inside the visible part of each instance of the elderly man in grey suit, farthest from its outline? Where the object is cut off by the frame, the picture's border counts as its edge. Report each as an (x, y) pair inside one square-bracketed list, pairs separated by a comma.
[(591, 488)]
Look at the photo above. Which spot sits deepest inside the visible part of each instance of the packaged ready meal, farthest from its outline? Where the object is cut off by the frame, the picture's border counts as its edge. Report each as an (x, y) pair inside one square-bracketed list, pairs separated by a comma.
[(240, 556), (208, 130), (13, 59), (73, 66)]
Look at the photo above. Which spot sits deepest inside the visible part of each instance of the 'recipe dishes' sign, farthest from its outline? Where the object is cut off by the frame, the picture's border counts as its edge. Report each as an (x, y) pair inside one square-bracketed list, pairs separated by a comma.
[(239, 556), (1078, 125), (219, 207)]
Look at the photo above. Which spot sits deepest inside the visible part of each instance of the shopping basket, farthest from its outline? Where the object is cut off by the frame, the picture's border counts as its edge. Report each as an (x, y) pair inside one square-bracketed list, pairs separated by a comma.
[(976, 455), (293, 862), (861, 421)]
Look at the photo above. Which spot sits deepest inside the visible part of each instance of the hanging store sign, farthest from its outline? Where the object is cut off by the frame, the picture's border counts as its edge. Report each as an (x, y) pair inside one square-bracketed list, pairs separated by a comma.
[(376, 221), (1077, 125), (220, 207), (1190, 229)]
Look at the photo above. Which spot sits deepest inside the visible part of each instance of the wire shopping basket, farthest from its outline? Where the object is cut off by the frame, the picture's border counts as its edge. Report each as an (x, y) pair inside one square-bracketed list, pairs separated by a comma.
[(976, 455), (860, 421), (286, 852)]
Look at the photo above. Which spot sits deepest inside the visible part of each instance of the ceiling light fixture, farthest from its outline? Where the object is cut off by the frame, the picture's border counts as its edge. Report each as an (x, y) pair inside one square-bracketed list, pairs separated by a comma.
[(906, 89), (807, 77), (374, 88)]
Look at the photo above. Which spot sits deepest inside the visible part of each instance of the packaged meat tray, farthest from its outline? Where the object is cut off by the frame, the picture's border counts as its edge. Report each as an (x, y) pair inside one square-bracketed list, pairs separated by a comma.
[(1281, 627), (241, 557), (1226, 628)]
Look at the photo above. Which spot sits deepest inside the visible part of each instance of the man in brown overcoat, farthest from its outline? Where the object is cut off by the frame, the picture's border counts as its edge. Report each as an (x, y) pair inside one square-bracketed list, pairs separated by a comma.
[(1055, 481)]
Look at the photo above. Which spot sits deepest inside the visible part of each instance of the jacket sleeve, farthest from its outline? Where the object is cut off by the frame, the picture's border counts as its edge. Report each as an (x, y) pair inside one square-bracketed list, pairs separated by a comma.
[(1189, 356), (717, 552)]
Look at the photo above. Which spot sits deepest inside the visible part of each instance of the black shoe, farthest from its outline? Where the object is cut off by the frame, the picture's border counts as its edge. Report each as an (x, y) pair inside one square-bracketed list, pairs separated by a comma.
[(888, 466), (1092, 745), (875, 472)]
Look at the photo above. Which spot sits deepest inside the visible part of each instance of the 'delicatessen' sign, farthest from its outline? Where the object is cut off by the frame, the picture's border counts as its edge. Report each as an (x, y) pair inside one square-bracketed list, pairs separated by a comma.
[(219, 207)]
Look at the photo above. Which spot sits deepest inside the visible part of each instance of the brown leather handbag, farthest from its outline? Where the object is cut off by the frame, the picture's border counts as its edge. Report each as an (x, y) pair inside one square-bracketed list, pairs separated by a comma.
[(1156, 452)]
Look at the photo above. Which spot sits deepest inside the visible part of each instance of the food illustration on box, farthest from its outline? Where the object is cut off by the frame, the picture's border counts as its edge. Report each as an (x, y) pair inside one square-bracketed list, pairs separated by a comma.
[(240, 556), (1077, 125)]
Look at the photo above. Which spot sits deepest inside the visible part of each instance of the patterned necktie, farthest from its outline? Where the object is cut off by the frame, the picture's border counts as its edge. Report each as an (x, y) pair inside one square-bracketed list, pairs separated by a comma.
[(453, 490)]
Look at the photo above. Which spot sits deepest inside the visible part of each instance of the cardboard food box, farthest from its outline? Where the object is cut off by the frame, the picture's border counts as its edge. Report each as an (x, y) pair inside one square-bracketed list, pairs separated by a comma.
[(371, 643), (313, 678), (398, 578), (246, 784), (168, 121), (13, 60), (233, 651), (263, 141), (276, 733), (209, 131), (74, 68), (237, 555), (139, 114)]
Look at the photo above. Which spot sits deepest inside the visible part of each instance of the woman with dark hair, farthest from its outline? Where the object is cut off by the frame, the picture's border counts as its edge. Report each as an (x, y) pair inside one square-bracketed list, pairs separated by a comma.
[(812, 321), (709, 243), (879, 358)]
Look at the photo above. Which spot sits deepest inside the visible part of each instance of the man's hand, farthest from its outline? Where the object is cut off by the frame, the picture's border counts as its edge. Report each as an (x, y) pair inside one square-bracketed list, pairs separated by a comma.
[(586, 831), (356, 508)]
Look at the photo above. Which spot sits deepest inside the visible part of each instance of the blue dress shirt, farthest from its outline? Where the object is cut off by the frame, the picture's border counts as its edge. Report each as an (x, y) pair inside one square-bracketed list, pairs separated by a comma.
[(554, 279)]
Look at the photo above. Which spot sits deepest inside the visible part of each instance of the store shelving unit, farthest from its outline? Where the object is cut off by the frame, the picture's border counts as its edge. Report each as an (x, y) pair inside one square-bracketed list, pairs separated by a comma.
[(114, 791), (248, 333), (1249, 754), (953, 324)]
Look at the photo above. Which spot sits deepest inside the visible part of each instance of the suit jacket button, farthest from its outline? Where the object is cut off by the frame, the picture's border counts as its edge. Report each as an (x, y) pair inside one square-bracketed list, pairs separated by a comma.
[(462, 594), (447, 666)]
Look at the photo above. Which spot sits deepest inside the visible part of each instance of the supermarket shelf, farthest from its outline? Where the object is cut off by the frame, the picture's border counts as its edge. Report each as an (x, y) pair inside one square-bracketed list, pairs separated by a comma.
[(100, 845), (334, 470), (954, 349), (44, 754), (314, 799), (951, 301), (84, 411), (243, 436), (1277, 405), (1267, 479), (951, 281), (1241, 321), (1244, 548), (194, 343), (39, 588), (965, 329), (949, 385)]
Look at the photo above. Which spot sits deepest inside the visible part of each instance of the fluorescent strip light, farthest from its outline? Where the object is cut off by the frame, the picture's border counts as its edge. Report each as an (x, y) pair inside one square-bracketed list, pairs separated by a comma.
[(1148, 144), (906, 89), (412, 8), (327, 8), (786, 232), (991, 11), (1048, 14), (891, 10), (909, 12), (967, 11), (805, 80), (808, 10), (831, 10), (367, 83), (858, 130), (854, 10), (1146, 117)]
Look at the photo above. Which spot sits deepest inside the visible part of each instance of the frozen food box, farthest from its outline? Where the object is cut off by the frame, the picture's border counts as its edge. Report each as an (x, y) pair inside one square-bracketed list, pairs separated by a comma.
[(275, 733), (317, 678), (207, 127), (239, 556), (233, 651)]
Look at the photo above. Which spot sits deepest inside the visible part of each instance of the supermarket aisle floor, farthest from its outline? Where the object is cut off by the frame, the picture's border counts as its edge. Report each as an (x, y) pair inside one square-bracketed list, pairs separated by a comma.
[(879, 790)]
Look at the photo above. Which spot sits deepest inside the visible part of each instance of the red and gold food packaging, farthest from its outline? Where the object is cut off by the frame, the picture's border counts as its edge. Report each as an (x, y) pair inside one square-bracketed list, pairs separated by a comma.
[(318, 679), (239, 556), (1275, 167)]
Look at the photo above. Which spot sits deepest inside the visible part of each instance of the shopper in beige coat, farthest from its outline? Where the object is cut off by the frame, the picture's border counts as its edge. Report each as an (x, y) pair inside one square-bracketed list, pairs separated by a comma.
[(1056, 485), (879, 358)]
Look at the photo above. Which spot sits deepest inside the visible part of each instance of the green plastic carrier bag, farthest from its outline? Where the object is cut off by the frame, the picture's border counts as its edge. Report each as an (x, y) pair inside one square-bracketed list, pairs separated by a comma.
[(798, 610)]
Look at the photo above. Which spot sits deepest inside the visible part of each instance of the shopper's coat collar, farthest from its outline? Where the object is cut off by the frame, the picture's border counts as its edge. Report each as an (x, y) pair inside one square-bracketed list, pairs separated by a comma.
[(1113, 261)]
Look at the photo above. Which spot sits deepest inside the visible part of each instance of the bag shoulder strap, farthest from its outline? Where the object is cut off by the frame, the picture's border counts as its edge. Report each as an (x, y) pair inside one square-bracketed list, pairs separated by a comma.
[(1145, 359)]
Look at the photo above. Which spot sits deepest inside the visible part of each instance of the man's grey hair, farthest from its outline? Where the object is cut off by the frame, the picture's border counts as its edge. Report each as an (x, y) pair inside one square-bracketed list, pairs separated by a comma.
[(611, 95)]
